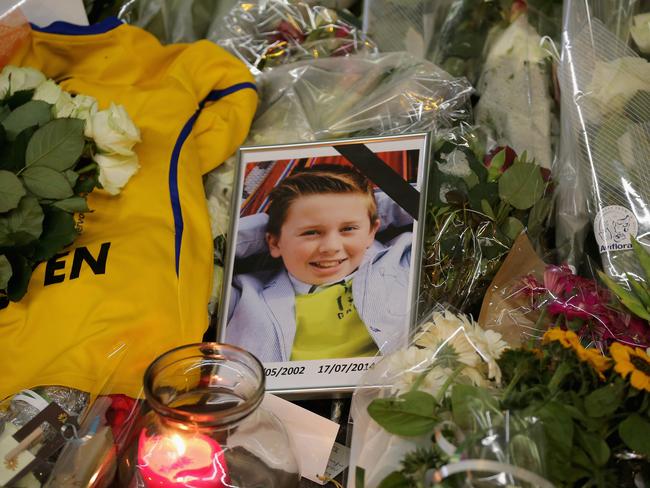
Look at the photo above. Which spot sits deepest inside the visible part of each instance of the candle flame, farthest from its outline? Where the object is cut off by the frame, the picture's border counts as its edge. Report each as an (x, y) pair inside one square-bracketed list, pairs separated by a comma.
[(179, 444)]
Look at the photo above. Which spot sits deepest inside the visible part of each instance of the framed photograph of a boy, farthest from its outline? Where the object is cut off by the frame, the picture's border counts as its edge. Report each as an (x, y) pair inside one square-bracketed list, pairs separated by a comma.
[(321, 271)]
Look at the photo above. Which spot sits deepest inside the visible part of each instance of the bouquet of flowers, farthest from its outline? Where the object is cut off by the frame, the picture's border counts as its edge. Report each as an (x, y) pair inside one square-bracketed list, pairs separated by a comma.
[(557, 414), (55, 148), (271, 33), (478, 204), (557, 297)]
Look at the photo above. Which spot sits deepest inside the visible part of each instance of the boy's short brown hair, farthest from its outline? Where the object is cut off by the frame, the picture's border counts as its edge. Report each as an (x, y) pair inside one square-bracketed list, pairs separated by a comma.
[(316, 180)]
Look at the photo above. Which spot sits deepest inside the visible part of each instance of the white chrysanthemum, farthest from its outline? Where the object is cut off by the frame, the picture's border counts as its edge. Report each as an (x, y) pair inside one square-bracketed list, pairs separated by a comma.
[(409, 364), (450, 329)]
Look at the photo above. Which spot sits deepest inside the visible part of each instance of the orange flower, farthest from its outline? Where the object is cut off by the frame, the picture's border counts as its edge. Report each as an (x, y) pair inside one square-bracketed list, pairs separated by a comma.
[(633, 362)]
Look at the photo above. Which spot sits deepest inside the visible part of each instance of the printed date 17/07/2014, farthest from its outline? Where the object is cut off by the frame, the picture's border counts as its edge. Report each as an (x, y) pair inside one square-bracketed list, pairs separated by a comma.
[(332, 368)]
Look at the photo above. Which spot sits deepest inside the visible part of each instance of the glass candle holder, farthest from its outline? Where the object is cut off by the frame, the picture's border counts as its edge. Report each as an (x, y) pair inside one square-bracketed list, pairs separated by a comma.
[(204, 426)]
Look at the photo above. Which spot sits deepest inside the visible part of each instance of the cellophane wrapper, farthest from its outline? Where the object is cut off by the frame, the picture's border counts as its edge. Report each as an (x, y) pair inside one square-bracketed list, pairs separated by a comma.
[(604, 192), (528, 296), (174, 21), (14, 28), (357, 95), (453, 359), (270, 33)]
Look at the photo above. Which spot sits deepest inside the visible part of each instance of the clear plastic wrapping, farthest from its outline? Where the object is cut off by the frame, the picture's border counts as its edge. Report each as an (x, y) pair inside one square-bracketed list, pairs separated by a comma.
[(271, 33), (606, 135), (452, 428), (527, 297), (478, 203)]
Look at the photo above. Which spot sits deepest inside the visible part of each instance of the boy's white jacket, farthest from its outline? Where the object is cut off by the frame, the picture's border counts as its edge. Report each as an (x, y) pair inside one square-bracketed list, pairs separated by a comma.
[(262, 317)]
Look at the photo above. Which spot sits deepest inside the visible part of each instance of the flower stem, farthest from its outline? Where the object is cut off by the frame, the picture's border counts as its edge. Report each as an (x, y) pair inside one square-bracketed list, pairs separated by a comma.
[(87, 168)]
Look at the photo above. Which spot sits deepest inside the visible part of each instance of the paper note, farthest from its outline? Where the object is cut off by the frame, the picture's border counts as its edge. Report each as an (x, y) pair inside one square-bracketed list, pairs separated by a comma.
[(339, 460), (312, 436)]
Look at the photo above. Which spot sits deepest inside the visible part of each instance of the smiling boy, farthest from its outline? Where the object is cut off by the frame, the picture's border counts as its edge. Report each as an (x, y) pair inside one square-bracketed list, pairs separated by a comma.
[(331, 298)]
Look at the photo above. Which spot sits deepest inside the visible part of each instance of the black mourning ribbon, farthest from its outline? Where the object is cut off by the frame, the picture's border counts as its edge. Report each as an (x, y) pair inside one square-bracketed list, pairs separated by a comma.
[(385, 177)]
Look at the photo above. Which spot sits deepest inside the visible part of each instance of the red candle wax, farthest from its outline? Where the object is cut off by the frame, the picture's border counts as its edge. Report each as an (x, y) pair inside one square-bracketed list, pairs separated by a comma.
[(179, 460)]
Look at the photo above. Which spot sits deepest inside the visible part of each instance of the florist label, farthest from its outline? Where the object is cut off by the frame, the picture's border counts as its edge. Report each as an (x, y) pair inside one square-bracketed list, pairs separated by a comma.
[(613, 227)]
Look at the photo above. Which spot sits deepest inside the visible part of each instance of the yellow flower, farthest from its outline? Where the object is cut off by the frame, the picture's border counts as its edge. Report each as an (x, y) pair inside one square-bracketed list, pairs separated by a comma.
[(570, 340), (565, 337), (633, 362)]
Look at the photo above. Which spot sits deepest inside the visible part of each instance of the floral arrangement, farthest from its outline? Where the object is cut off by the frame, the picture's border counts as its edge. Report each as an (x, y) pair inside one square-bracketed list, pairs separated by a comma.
[(279, 32), (597, 314), (478, 204), (55, 149), (562, 415)]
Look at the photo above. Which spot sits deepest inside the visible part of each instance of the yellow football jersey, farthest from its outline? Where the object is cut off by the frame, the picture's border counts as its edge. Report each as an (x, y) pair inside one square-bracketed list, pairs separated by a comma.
[(139, 275)]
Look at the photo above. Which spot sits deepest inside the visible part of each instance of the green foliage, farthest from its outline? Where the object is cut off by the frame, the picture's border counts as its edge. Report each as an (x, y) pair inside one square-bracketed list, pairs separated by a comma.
[(40, 187), (475, 212), (409, 414), (637, 298), (565, 420)]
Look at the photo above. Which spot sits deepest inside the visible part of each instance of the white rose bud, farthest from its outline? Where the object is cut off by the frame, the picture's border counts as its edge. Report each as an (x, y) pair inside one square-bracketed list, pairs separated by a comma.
[(64, 106), (21, 78), (116, 170), (113, 130), (84, 107)]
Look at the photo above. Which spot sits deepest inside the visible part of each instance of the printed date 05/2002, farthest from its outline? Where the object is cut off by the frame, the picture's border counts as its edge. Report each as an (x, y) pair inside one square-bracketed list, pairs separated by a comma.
[(284, 371), (344, 368)]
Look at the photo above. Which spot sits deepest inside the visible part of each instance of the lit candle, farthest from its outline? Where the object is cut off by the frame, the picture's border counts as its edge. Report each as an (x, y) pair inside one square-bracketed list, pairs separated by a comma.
[(178, 459)]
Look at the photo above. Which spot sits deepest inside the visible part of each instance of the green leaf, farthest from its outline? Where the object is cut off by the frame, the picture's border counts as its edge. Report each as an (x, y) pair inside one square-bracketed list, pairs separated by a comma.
[(22, 272), (497, 162), (538, 216), (5, 272), (360, 477), (595, 447), (57, 145), (410, 414), (640, 290), (521, 185), (483, 191), (469, 401), (12, 156), (72, 204), (19, 98), (395, 480), (58, 232), (4, 113), (23, 224), (512, 227), (35, 112), (71, 176), (604, 401), (635, 432), (487, 209), (11, 191), (627, 298), (643, 256), (47, 183)]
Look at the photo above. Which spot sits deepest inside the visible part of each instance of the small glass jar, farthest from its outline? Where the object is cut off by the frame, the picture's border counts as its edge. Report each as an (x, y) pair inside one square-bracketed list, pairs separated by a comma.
[(204, 426)]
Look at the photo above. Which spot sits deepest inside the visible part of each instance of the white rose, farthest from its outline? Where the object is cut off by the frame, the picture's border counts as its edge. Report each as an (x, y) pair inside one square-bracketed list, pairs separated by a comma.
[(48, 91), (84, 107), (614, 83), (13, 79), (64, 106), (116, 170), (519, 41), (640, 30), (113, 130)]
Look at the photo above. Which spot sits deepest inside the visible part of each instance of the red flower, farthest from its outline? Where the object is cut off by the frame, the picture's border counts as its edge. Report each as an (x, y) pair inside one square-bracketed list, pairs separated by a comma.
[(286, 31), (510, 156)]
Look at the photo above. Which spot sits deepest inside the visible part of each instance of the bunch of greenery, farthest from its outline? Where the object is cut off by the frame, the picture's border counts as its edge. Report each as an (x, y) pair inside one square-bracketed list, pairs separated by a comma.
[(45, 174), (572, 415), (477, 206)]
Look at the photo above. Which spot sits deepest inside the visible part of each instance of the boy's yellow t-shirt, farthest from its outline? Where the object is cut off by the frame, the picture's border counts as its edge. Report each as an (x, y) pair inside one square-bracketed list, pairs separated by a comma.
[(328, 326), (136, 282)]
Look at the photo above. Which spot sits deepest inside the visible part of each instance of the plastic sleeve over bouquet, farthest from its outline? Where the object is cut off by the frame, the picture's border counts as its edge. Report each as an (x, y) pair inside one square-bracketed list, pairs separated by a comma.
[(271, 33), (428, 412), (606, 134)]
